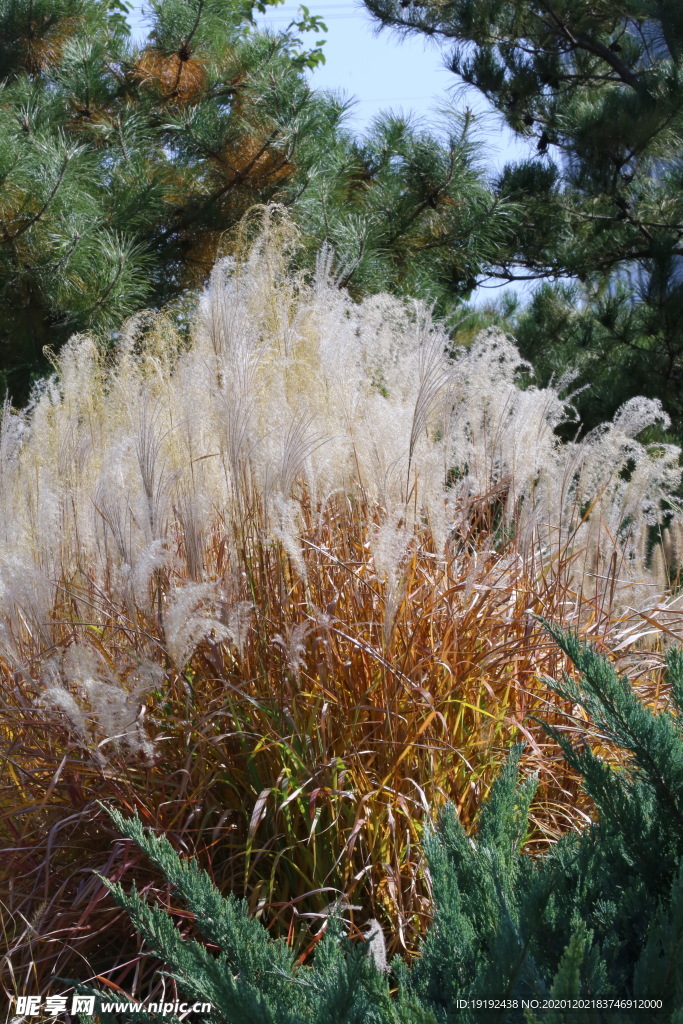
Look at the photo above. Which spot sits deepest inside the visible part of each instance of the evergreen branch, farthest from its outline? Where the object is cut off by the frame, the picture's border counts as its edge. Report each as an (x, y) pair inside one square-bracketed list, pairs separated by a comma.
[(122, 141), (112, 284), (195, 26), (594, 46), (623, 717), (44, 208)]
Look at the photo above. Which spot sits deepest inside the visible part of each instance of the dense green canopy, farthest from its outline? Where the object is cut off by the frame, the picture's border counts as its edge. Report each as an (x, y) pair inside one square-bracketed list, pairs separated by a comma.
[(125, 169), (598, 89)]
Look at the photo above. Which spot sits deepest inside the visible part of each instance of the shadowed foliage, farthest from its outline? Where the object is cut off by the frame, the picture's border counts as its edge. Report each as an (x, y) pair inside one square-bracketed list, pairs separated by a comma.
[(596, 93)]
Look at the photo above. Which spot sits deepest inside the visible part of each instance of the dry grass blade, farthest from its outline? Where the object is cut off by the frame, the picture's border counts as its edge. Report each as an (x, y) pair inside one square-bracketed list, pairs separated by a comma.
[(268, 645)]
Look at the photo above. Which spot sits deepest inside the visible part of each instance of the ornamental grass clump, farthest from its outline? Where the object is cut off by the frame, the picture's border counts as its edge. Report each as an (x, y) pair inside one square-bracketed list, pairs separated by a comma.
[(591, 929), (273, 586)]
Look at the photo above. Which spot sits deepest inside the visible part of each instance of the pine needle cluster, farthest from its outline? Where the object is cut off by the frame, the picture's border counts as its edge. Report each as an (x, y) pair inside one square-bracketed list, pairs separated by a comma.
[(126, 169), (594, 95)]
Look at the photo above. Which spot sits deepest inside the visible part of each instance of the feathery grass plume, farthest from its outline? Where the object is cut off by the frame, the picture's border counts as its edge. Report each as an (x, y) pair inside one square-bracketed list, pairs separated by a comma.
[(298, 552)]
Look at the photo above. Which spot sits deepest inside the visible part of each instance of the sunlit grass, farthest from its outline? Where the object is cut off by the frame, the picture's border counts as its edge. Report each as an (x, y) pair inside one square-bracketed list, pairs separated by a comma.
[(278, 590)]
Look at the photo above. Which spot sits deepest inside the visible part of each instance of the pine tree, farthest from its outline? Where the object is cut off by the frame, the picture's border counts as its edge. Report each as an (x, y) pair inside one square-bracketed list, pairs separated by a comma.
[(122, 166), (615, 339), (125, 170), (597, 92), (407, 214)]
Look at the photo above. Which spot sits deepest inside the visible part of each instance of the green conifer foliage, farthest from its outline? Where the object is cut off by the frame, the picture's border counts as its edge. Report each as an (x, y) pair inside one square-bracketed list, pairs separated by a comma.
[(596, 90), (255, 979), (406, 214), (125, 170), (599, 917), (121, 166)]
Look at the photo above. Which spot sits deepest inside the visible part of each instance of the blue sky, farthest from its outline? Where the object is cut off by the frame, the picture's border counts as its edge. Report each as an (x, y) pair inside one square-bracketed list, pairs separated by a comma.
[(383, 71)]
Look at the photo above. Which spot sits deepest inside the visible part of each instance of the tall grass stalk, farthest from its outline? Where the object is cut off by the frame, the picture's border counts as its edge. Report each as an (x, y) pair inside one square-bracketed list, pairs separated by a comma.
[(274, 587)]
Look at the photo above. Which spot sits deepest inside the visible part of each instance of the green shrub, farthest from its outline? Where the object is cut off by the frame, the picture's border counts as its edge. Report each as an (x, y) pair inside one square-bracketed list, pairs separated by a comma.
[(599, 917)]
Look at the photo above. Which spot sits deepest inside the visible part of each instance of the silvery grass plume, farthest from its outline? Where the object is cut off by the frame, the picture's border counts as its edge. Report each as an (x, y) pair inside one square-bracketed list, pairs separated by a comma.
[(128, 473)]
